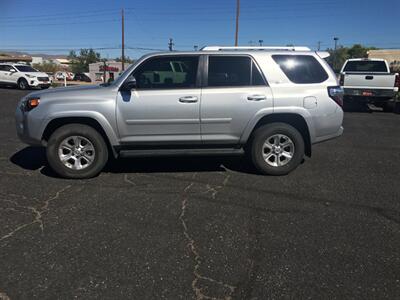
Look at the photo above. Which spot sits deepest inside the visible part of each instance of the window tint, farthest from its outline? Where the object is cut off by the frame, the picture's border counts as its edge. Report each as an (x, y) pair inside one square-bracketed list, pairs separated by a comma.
[(25, 69), (161, 73), (233, 71), (228, 71), (256, 77), (5, 68), (301, 68), (365, 66)]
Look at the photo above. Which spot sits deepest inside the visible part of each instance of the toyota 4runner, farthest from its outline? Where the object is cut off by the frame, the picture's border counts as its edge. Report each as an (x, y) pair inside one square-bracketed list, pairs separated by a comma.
[(271, 103)]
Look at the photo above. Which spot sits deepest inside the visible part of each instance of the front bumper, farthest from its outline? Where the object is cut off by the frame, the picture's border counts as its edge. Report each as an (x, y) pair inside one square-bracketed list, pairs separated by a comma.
[(34, 82), (23, 125)]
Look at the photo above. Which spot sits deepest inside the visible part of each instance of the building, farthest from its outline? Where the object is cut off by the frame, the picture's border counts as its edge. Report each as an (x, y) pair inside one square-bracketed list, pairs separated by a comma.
[(37, 60), (103, 72), (392, 56)]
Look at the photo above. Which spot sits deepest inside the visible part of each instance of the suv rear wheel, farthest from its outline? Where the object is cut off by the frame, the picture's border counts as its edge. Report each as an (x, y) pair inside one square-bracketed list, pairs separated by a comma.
[(77, 151), (277, 149)]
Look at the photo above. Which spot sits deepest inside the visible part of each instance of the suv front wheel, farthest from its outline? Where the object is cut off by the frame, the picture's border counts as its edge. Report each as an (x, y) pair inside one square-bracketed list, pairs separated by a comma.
[(277, 149), (77, 151)]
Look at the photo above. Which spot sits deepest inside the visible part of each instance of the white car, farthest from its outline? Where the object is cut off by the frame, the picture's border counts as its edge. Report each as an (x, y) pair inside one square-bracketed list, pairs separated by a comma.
[(64, 75), (23, 76)]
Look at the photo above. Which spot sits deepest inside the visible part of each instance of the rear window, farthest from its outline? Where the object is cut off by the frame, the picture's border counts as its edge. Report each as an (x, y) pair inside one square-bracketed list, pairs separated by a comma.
[(301, 69), (365, 66)]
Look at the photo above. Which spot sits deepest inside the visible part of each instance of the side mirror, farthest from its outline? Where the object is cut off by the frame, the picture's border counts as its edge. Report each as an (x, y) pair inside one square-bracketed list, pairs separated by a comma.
[(12, 70), (129, 84)]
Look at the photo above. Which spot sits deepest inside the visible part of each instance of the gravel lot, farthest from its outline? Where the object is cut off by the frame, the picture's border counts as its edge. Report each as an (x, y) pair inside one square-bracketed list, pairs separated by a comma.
[(173, 228)]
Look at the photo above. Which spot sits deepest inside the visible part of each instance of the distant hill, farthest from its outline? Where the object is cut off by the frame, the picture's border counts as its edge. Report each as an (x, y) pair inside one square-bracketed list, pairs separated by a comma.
[(44, 55)]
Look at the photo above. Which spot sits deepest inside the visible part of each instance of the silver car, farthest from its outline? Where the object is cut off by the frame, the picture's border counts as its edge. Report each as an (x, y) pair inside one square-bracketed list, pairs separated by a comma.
[(270, 103)]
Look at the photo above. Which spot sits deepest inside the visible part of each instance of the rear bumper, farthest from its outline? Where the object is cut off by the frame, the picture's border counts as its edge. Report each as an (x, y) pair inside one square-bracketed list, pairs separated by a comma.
[(329, 137), (369, 93)]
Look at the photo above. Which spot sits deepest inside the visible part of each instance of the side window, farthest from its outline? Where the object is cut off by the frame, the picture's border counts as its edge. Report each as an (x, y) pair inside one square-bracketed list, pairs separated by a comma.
[(158, 73), (233, 71), (256, 77), (5, 68), (228, 71), (301, 69)]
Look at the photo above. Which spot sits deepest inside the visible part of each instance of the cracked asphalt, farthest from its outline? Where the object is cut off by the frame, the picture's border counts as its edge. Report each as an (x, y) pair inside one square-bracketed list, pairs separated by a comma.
[(205, 228)]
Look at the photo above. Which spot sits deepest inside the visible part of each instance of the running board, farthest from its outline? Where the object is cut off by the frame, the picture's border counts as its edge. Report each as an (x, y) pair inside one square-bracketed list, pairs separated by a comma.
[(179, 152)]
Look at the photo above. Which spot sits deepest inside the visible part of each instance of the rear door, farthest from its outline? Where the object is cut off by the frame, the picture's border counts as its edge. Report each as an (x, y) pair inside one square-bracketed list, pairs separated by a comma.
[(234, 90), (5, 74), (165, 106)]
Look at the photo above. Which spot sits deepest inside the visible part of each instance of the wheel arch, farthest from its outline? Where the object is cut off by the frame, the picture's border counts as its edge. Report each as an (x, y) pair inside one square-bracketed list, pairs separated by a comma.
[(58, 122), (293, 119)]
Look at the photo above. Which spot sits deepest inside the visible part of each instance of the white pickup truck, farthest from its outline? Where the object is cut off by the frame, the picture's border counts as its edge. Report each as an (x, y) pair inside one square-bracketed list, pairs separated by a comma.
[(369, 81)]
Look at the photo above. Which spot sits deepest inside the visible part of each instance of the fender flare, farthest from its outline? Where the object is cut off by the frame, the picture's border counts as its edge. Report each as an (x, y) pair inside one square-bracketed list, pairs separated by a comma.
[(305, 114)]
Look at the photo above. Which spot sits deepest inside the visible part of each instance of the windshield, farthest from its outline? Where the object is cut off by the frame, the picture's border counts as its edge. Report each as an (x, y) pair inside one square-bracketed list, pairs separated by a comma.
[(366, 66), (25, 69)]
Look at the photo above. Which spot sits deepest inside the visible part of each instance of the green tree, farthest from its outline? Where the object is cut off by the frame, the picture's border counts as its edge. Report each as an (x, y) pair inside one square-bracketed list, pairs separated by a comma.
[(80, 63), (338, 57), (46, 67)]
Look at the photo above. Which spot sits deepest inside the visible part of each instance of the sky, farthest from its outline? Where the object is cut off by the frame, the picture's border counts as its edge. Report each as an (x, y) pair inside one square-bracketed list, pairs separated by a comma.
[(56, 26)]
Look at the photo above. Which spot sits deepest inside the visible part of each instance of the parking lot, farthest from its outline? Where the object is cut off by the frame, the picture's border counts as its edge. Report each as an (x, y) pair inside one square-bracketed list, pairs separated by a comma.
[(205, 227)]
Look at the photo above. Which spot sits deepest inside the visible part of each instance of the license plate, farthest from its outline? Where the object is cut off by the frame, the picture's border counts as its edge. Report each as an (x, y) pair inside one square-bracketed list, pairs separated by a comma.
[(367, 94)]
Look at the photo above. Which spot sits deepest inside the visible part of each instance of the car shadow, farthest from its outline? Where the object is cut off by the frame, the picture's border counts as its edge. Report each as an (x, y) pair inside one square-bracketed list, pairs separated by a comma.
[(34, 158)]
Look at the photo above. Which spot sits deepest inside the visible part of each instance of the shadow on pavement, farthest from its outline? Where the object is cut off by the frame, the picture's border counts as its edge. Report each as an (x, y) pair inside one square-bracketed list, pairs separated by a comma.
[(34, 158)]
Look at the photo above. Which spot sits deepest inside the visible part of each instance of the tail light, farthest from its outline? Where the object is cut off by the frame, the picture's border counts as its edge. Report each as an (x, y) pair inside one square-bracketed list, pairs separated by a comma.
[(336, 93), (397, 81), (341, 80)]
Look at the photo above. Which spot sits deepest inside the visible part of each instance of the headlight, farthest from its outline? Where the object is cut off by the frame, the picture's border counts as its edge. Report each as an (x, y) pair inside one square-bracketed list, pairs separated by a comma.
[(30, 76)]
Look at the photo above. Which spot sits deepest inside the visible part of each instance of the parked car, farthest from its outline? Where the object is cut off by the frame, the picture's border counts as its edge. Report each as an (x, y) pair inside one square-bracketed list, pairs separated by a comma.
[(23, 76), (82, 77), (271, 103), (61, 75), (369, 81)]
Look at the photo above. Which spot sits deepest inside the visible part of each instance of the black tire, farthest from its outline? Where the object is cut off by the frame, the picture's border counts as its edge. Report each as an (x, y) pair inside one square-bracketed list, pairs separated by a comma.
[(396, 109), (261, 135), (23, 84), (87, 132), (388, 107)]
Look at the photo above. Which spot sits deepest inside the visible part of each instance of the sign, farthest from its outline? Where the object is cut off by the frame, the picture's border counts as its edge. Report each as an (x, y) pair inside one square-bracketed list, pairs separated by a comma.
[(108, 68)]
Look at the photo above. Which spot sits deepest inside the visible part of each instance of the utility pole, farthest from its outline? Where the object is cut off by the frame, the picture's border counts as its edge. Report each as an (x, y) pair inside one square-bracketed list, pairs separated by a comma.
[(170, 44), (260, 42), (123, 41), (335, 54), (237, 22), (336, 40), (319, 45)]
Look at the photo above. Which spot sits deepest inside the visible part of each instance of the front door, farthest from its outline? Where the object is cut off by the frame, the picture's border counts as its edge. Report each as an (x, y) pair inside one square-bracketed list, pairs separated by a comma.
[(165, 105)]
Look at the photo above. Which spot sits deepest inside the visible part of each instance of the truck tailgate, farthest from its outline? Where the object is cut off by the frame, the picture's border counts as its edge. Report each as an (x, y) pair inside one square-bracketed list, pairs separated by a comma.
[(373, 81)]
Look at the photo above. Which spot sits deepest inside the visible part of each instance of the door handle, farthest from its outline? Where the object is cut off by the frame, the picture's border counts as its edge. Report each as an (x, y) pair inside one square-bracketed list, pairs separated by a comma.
[(188, 99), (257, 97)]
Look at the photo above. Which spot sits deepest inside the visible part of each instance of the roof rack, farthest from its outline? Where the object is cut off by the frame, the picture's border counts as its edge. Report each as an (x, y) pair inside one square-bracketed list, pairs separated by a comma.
[(261, 48)]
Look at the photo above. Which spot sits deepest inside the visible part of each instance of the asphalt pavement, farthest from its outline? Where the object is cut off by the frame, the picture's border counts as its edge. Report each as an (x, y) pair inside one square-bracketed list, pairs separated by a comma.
[(205, 227)]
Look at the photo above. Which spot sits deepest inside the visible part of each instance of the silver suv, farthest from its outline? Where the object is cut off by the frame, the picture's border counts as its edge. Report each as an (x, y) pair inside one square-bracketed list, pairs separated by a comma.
[(270, 103)]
